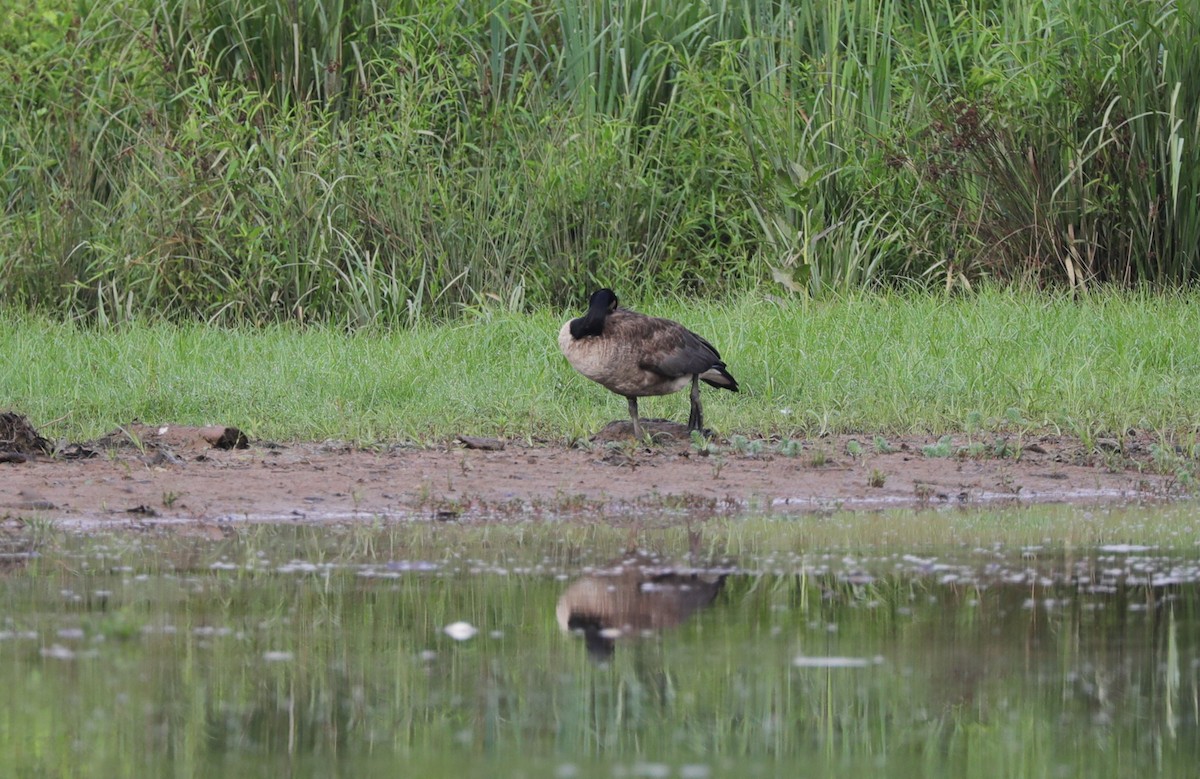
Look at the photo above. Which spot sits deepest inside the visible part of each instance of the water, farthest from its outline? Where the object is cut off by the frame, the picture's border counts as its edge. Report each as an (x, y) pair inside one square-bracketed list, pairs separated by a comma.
[(735, 647)]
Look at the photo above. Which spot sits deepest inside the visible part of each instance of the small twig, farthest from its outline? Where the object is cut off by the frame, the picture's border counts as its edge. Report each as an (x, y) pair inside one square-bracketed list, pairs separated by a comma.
[(54, 422)]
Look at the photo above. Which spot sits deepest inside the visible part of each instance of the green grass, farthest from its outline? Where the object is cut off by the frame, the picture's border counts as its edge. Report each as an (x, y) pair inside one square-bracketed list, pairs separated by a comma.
[(859, 363)]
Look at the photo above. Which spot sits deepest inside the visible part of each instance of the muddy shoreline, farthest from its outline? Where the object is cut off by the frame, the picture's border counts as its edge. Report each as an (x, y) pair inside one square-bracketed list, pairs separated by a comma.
[(169, 475)]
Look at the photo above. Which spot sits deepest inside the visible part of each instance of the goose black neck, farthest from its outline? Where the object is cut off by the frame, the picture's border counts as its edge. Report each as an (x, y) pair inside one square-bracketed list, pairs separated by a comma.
[(602, 303), (591, 323)]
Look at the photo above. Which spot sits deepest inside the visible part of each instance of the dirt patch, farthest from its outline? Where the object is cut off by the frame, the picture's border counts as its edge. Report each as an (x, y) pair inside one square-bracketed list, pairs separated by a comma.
[(169, 474), (173, 438)]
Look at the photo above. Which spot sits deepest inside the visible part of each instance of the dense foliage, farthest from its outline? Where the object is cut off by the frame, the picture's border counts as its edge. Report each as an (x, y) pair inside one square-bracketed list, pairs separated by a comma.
[(361, 161)]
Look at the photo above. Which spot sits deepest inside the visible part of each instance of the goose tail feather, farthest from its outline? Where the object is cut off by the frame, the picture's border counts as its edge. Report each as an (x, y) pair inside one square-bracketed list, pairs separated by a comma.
[(717, 376)]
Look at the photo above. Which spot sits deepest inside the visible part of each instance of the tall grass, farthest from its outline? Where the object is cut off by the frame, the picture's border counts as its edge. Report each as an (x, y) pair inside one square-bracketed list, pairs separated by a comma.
[(291, 51), (356, 162)]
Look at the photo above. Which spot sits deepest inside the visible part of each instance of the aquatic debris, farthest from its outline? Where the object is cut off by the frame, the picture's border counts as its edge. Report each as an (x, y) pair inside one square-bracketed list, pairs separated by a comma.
[(278, 657), (302, 566), (804, 661), (1125, 548), (460, 631), (58, 652), (421, 566), (6, 635)]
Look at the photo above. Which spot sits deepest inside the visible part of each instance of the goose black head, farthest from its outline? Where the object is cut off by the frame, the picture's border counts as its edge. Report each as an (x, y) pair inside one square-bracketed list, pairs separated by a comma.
[(602, 303)]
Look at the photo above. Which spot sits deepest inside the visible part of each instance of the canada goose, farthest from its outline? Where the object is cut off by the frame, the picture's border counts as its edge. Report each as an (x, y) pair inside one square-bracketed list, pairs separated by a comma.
[(635, 355), (632, 596)]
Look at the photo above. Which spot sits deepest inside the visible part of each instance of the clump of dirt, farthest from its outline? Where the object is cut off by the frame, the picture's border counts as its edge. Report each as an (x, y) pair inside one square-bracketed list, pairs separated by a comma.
[(183, 438), (660, 430), (19, 437)]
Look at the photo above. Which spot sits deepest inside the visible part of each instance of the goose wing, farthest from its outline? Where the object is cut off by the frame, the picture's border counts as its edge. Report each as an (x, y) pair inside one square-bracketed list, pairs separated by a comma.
[(662, 346)]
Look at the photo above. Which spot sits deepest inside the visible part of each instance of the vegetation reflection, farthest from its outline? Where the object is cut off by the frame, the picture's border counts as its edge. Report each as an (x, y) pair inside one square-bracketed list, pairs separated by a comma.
[(324, 649)]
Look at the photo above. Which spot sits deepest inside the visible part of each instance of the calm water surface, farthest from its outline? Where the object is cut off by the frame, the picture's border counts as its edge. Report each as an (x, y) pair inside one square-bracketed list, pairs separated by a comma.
[(554, 651)]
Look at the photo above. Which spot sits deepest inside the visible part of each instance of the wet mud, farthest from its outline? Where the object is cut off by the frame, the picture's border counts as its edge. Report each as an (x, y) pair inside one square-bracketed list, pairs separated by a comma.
[(207, 476)]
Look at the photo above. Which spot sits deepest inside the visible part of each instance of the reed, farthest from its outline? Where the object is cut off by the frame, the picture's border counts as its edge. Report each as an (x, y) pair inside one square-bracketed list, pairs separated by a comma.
[(360, 163)]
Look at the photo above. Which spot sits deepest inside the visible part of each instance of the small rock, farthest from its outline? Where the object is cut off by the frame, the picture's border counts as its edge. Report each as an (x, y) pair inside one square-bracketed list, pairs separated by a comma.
[(164, 456), (32, 501), (75, 452), (618, 459), (222, 437), (486, 444)]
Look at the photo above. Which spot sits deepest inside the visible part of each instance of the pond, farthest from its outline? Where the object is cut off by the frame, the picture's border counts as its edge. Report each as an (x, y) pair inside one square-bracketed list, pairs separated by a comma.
[(1043, 641)]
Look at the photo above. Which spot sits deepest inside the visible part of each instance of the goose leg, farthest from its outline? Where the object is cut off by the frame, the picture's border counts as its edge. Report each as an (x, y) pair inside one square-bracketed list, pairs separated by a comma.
[(696, 417), (633, 414)]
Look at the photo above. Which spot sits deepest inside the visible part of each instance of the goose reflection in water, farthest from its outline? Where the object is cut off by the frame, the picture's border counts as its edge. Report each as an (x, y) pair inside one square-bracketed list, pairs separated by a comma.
[(633, 596)]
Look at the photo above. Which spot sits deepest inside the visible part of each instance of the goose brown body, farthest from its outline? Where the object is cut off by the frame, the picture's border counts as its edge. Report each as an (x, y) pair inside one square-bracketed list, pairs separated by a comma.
[(635, 355)]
